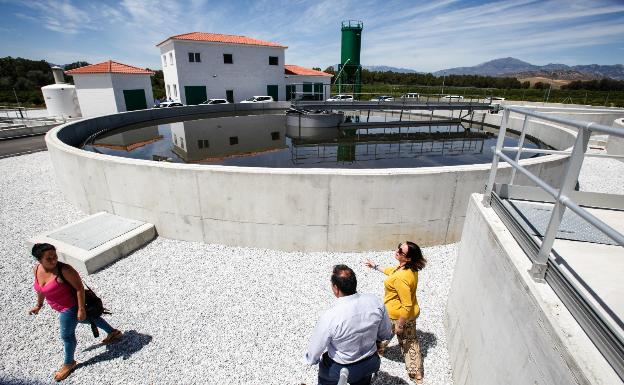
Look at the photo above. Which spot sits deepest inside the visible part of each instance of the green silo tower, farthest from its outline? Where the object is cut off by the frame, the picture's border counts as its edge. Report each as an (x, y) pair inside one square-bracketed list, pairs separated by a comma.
[(350, 69)]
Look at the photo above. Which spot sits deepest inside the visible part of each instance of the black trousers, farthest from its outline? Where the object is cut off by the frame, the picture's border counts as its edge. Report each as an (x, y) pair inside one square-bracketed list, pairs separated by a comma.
[(360, 373)]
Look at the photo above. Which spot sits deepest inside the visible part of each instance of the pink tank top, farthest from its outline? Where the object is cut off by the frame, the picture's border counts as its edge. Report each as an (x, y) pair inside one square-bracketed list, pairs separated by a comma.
[(60, 296)]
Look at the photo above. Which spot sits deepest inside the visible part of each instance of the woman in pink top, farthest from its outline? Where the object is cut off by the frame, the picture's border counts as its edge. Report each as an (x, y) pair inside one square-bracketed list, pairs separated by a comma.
[(68, 298)]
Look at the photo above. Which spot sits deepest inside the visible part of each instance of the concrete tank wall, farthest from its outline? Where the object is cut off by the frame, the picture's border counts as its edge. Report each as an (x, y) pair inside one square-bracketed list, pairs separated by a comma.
[(503, 327), (287, 209)]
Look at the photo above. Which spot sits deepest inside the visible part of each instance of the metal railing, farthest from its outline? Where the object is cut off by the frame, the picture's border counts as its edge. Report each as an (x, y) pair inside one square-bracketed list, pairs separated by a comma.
[(608, 338)]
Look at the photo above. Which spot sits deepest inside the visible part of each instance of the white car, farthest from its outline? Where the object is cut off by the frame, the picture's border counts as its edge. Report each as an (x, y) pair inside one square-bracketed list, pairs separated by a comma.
[(168, 104), (451, 97), (258, 99), (216, 101), (383, 98), (494, 99), (340, 98)]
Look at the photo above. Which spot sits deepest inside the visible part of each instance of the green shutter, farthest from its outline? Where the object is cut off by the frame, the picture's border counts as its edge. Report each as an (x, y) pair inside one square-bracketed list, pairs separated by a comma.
[(195, 94), (307, 88), (272, 90), (135, 99)]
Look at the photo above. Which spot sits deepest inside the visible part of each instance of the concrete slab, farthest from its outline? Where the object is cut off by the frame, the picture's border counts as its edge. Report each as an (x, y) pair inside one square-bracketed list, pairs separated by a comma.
[(97, 240)]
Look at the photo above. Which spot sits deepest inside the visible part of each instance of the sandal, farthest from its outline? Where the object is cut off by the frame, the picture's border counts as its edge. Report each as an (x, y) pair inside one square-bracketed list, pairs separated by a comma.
[(416, 377), (65, 371), (112, 336)]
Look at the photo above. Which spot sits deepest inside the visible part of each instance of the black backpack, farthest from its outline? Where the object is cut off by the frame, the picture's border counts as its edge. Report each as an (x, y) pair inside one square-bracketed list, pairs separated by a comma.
[(93, 304)]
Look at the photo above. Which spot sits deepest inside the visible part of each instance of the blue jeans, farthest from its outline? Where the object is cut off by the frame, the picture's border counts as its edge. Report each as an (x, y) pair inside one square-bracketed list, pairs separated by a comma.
[(360, 373), (68, 330)]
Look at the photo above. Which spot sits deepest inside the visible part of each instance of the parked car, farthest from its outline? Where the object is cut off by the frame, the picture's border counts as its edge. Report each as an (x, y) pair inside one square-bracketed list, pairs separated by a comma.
[(258, 99), (411, 95), (494, 99), (340, 98), (168, 104), (382, 98), (215, 101), (451, 97)]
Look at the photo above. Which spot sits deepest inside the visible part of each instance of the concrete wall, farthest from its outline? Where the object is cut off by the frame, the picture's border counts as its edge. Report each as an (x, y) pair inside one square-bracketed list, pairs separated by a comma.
[(123, 82), (504, 328), (248, 75), (615, 145), (288, 209), (95, 94)]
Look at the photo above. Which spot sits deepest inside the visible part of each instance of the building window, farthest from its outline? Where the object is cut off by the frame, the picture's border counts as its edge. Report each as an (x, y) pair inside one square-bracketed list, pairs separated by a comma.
[(191, 57), (227, 58), (229, 95), (194, 57), (175, 139), (171, 58), (175, 90), (182, 143), (291, 91), (275, 135), (203, 143), (168, 91), (164, 60), (233, 140), (273, 60)]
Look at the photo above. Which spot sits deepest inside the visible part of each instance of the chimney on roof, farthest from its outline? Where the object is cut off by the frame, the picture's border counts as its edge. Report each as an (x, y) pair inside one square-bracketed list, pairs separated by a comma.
[(58, 75)]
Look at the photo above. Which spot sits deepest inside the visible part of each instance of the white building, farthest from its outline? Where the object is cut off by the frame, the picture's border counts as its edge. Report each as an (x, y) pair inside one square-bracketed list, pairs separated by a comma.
[(306, 83), (111, 87), (198, 66)]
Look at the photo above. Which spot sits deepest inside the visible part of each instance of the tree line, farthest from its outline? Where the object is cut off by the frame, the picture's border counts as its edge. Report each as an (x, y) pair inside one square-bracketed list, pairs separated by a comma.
[(604, 84)]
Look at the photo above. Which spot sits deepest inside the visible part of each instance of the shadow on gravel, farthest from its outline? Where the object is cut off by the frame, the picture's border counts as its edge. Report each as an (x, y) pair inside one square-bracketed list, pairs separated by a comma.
[(383, 378), (130, 343), (19, 381), (427, 340)]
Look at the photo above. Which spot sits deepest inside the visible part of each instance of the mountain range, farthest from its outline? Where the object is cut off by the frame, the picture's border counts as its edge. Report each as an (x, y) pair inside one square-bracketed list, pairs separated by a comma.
[(513, 67), (517, 68)]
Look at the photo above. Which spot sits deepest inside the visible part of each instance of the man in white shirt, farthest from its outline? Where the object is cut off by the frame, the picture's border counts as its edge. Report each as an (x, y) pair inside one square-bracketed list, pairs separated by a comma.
[(348, 333)]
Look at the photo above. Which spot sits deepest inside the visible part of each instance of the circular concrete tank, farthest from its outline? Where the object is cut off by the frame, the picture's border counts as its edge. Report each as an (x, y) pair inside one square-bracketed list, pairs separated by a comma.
[(287, 209)]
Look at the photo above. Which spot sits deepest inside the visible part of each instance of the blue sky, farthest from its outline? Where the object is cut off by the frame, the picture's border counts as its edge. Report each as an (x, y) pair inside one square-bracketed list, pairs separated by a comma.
[(422, 35)]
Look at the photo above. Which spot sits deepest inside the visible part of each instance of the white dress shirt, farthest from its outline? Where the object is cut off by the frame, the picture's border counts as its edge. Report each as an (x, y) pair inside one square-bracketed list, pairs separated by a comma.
[(349, 329)]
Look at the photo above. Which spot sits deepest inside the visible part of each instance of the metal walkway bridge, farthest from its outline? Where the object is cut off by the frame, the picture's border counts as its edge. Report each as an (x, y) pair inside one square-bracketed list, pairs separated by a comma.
[(398, 105)]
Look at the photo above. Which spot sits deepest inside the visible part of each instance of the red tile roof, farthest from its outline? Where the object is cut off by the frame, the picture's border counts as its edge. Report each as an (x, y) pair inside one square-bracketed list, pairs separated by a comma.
[(221, 38), (291, 69), (109, 67)]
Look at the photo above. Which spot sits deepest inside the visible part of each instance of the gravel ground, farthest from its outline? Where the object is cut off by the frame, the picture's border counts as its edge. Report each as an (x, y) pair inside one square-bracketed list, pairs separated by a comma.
[(200, 313), (192, 312), (602, 175)]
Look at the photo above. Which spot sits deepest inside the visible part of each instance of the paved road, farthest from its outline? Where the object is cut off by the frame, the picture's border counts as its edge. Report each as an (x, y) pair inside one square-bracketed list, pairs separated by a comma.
[(20, 146)]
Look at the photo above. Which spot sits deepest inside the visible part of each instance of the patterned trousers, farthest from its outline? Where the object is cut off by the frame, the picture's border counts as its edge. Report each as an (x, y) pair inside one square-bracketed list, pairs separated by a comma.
[(411, 349)]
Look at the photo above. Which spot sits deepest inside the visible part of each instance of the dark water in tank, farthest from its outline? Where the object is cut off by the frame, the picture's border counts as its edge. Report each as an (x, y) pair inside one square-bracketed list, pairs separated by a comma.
[(266, 141)]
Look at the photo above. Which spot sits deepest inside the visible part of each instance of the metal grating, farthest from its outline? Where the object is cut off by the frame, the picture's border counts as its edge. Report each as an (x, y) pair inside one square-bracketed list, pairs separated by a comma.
[(95, 231), (573, 227)]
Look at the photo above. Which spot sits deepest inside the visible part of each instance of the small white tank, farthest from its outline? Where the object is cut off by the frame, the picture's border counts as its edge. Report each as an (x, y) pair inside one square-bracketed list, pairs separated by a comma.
[(60, 98)]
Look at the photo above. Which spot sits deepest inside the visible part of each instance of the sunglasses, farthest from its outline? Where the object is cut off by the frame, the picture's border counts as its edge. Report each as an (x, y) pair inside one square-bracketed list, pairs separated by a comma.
[(399, 250)]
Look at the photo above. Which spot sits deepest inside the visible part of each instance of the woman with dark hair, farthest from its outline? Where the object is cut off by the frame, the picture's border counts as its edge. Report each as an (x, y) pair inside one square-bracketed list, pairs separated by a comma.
[(401, 303), (62, 288)]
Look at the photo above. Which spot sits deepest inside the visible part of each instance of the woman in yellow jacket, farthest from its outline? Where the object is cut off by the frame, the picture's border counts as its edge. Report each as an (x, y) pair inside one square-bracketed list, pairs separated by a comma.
[(401, 303)]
